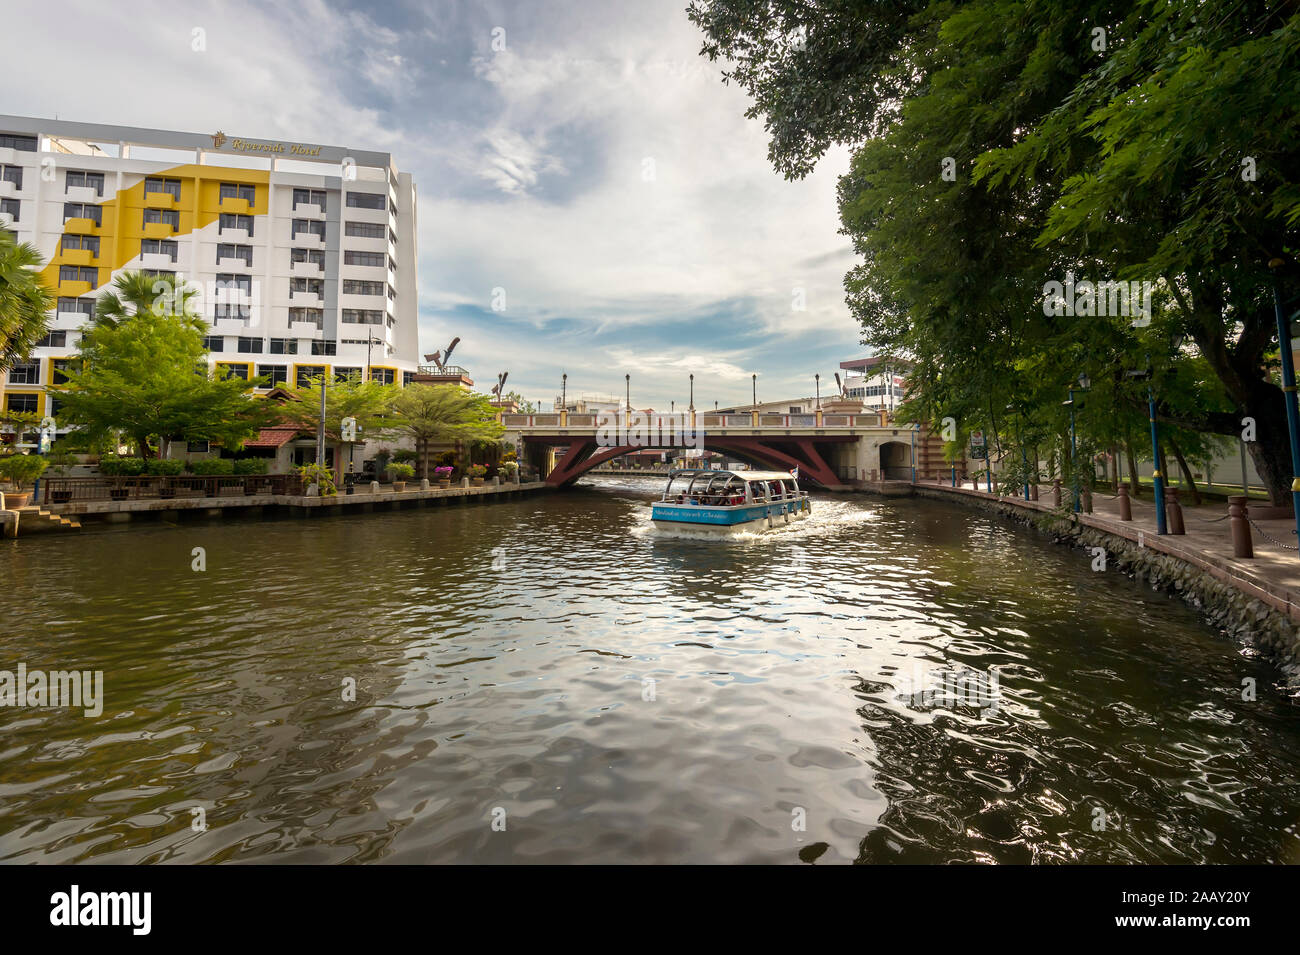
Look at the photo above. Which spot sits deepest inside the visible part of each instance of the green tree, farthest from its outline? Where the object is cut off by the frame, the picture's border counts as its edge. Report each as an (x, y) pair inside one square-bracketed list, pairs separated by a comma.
[(146, 376), (443, 414), (369, 403), (134, 292), (24, 300)]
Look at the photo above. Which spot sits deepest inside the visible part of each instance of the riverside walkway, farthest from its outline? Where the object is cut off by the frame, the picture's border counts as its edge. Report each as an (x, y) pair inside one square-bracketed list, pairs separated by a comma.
[(1271, 576)]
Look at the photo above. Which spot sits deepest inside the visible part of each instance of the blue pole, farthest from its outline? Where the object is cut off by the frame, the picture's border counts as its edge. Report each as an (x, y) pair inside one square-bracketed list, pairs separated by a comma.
[(1074, 464), (954, 475), (1156, 478), (1289, 395)]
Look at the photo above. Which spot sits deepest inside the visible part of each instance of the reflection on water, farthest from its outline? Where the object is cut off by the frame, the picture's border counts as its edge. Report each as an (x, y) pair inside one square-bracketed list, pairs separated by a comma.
[(626, 696)]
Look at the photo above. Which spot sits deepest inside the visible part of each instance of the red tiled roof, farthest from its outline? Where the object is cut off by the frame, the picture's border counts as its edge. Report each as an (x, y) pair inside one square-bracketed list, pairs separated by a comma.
[(272, 437)]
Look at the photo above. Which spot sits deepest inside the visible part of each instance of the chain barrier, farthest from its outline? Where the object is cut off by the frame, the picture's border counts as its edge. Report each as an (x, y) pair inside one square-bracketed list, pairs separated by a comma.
[(1271, 539)]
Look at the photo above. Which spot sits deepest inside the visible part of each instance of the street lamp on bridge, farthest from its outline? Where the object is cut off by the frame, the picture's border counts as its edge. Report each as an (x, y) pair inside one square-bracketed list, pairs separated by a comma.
[(692, 405), (755, 391), (564, 391), (818, 379)]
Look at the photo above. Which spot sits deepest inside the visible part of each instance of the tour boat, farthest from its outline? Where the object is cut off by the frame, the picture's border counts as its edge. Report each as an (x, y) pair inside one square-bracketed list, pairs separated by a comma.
[(728, 502)]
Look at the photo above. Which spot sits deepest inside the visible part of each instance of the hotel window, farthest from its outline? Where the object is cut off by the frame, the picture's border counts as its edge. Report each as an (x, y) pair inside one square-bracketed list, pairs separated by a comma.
[(25, 143), (12, 174), (89, 180), (316, 256), (228, 369), (214, 342), (344, 373), (310, 286), (59, 368), (28, 373), (407, 378), (73, 242), (83, 210), (274, 374), (171, 187), (356, 287), (366, 200), (309, 226), (167, 247), (26, 404), (56, 339), (364, 230), (232, 310), (392, 207), (10, 207), (234, 190), (309, 197), (249, 346), (284, 346), (392, 296), (229, 280), (315, 316), (230, 221), (171, 217), (227, 251), (324, 348), (364, 258), (79, 273), (307, 372), (362, 316), (385, 376), (392, 237)]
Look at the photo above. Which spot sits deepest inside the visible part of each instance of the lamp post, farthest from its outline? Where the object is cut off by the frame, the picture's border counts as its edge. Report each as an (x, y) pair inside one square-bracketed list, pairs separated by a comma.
[(1157, 479), (628, 381), (1020, 439), (564, 391), (755, 391), (1084, 383), (370, 340), (320, 424), (818, 379), (692, 405), (1288, 390)]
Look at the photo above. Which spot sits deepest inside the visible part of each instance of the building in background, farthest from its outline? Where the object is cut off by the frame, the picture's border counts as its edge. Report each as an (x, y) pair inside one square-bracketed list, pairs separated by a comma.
[(879, 383), (305, 255)]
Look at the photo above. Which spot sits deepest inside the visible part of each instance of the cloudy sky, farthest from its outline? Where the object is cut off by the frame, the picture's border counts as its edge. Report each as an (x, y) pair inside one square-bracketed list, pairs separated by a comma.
[(596, 169)]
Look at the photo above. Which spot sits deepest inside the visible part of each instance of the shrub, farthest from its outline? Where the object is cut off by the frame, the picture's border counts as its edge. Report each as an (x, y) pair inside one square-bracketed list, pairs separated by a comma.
[(443, 473), (251, 465), (477, 470), (447, 459), (114, 466), (404, 455), (22, 469), (321, 475), (165, 466), (401, 472), (212, 466)]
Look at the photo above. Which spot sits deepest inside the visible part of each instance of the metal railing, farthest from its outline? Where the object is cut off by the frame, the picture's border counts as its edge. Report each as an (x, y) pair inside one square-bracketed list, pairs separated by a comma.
[(69, 490), (682, 421)]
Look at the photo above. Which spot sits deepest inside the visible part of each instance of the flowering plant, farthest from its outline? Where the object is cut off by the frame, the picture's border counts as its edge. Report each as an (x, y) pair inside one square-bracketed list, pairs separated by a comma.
[(443, 473)]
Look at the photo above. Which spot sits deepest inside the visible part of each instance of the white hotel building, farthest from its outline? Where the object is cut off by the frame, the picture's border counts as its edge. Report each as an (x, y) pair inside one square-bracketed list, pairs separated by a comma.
[(305, 254)]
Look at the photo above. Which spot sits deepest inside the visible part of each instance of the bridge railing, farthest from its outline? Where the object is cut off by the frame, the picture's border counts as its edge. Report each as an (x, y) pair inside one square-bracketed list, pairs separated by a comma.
[(709, 422)]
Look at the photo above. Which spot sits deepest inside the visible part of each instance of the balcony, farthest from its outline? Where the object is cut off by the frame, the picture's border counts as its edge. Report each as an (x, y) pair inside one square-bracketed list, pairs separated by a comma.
[(308, 210), (76, 257), (156, 260), (157, 230), (161, 200), (231, 326), (76, 319), (83, 194), (7, 189), (230, 234), (78, 225), (307, 268), (73, 289), (6, 220), (300, 299), (236, 206), (304, 329), (308, 240), (228, 264)]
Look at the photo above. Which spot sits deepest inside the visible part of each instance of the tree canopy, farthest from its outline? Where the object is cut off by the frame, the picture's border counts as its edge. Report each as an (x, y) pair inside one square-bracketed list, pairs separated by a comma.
[(24, 300)]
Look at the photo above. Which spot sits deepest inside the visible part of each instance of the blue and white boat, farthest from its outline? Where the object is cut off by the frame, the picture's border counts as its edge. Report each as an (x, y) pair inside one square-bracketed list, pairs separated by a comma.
[(729, 502)]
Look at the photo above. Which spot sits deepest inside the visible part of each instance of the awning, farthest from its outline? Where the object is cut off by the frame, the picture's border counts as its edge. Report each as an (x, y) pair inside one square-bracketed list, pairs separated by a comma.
[(272, 438)]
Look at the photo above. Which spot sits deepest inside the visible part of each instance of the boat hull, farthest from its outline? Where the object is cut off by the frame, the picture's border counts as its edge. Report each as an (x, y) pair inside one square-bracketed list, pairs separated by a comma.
[(744, 517)]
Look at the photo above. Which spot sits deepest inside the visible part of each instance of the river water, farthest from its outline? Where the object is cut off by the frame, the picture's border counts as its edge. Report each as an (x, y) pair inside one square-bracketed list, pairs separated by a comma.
[(549, 680)]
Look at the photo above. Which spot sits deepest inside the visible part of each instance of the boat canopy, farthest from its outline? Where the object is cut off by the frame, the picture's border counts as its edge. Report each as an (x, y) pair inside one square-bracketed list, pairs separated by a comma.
[(746, 476)]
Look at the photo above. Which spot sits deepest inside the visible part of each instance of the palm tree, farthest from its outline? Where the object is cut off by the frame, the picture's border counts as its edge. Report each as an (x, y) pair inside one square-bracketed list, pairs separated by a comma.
[(134, 291), (24, 300), (442, 414)]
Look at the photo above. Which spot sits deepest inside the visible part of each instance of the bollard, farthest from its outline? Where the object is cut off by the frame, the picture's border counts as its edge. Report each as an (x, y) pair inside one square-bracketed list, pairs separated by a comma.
[(1237, 517), (1125, 505), (1056, 492), (1174, 512), (1033, 491), (424, 484), (374, 487), (1085, 499)]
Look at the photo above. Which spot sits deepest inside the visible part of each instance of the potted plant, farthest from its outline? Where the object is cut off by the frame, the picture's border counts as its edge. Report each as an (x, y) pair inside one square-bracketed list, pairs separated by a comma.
[(321, 476), (21, 469), (61, 462), (442, 475), (164, 468), (476, 474), (400, 474), (118, 468), (510, 469)]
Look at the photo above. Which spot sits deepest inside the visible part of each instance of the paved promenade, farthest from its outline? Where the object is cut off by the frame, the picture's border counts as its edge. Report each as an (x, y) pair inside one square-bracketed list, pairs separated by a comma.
[(1273, 575)]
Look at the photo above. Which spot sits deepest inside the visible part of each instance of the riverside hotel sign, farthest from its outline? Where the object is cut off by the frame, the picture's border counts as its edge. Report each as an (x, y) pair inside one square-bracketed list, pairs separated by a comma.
[(220, 141)]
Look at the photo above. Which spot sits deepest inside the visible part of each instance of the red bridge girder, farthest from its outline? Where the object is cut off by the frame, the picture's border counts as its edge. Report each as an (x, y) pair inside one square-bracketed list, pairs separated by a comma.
[(778, 453)]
